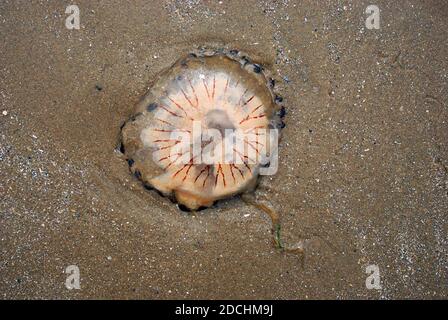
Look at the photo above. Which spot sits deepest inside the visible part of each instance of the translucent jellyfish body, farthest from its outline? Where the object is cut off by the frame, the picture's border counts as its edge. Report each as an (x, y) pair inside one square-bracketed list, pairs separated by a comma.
[(205, 130)]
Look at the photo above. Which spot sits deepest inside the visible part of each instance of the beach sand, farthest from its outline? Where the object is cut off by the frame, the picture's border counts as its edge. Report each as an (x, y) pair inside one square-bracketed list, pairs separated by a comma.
[(363, 172)]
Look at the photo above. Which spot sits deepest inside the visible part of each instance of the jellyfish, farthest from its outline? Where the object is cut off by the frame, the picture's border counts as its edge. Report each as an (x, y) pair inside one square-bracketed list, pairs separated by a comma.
[(204, 130)]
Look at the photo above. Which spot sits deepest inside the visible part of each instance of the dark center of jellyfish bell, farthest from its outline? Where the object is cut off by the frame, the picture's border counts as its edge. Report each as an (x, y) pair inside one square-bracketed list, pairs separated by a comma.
[(219, 120)]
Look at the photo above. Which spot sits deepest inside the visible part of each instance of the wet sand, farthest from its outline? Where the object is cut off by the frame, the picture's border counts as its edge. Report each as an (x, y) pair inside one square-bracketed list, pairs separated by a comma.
[(363, 175)]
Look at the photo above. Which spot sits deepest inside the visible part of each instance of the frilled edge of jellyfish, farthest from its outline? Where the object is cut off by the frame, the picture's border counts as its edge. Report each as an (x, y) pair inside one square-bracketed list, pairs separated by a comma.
[(188, 201)]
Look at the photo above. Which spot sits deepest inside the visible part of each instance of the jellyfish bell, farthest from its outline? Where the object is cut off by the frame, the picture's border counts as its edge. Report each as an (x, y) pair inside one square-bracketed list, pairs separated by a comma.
[(202, 131)]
